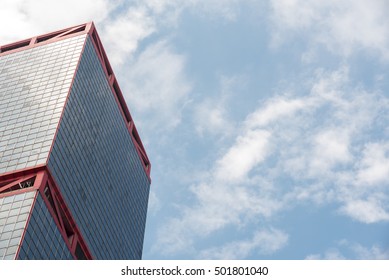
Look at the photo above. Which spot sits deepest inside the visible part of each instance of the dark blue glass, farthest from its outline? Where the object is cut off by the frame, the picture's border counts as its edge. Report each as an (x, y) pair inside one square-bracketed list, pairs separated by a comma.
[(97, 168), (42, 235)]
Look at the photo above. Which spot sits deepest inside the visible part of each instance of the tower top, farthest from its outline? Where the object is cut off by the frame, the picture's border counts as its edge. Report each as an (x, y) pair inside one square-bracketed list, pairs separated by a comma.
[(86, 28), (90, 29)]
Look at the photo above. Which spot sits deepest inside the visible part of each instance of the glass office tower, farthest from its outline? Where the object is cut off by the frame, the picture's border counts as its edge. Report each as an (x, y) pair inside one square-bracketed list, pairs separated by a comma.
[(74, 175)]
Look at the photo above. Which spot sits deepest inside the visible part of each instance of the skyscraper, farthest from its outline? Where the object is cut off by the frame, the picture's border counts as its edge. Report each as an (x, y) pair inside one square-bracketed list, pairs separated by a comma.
[(74, 175)]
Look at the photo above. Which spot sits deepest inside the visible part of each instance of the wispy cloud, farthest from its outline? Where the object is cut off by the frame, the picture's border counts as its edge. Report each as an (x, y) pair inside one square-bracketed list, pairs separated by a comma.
[(370, 253), (333, 24), (373, 168), (265, 242), (156, 85), (324, 142), (122, 34), (154, 203), (156, 74), (225, 9), (329, 254), (316, 135), (276, 108), (224, 198), (368, 210), (352, 250), (212, 115), (248, 151), (26, 17)]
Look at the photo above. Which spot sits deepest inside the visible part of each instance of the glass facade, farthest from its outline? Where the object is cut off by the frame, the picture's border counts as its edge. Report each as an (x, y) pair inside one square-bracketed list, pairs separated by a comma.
[(60, 119), (97, 168), (34, 84), (14, 212), (42, 239)]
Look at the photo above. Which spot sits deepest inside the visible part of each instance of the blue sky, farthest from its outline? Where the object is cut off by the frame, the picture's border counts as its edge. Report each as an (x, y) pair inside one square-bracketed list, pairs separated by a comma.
[(265, 121)]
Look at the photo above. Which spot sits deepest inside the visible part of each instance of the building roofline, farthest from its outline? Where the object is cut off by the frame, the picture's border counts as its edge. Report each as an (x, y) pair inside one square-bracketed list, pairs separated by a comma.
[(46, 38), (90, 29), (119, 98)]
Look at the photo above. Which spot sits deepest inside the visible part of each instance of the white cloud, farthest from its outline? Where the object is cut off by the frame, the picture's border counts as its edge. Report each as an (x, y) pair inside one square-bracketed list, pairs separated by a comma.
[(374, 165), (212, 116), (333, 152), (324, 133), (247, 152), (154, 204), (218, 205), (222, 199), (275, 109), (373, 253), (318, 136), (25, 19), (173, 237), (156, 75), (353, 250), (331, 147), (156, 85), (122, 34), (333, 24), (225, 9), (295, 14), (330, 254), (264, 242), (165, 6), (121, 29), (368, 210)]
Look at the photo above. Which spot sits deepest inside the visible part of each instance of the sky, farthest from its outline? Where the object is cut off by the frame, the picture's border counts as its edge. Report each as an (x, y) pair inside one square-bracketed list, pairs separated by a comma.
[(265, 122)]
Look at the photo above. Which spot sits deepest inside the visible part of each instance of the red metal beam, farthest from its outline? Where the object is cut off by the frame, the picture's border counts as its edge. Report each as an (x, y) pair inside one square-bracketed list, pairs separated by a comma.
[(89, 28), (64, 219), (120, 100), (45, 184), (9, 180), (45, 39)]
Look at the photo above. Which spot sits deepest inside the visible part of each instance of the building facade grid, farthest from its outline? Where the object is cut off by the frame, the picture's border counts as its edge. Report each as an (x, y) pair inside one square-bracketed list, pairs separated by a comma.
[(99, 166), (42, 239), (64, 123), (33, 87)]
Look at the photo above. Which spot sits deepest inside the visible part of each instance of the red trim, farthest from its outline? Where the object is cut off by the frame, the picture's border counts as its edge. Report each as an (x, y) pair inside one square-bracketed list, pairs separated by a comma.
[(120, 99), (44, 39), (90, 29), (45, 184), (25, 228), (64, 219), (21, 172), (16, 183), (9, 180)]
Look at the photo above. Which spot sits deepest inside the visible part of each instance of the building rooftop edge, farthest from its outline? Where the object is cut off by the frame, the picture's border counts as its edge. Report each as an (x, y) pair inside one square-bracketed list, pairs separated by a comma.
[(90, 29), (46, 38)]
